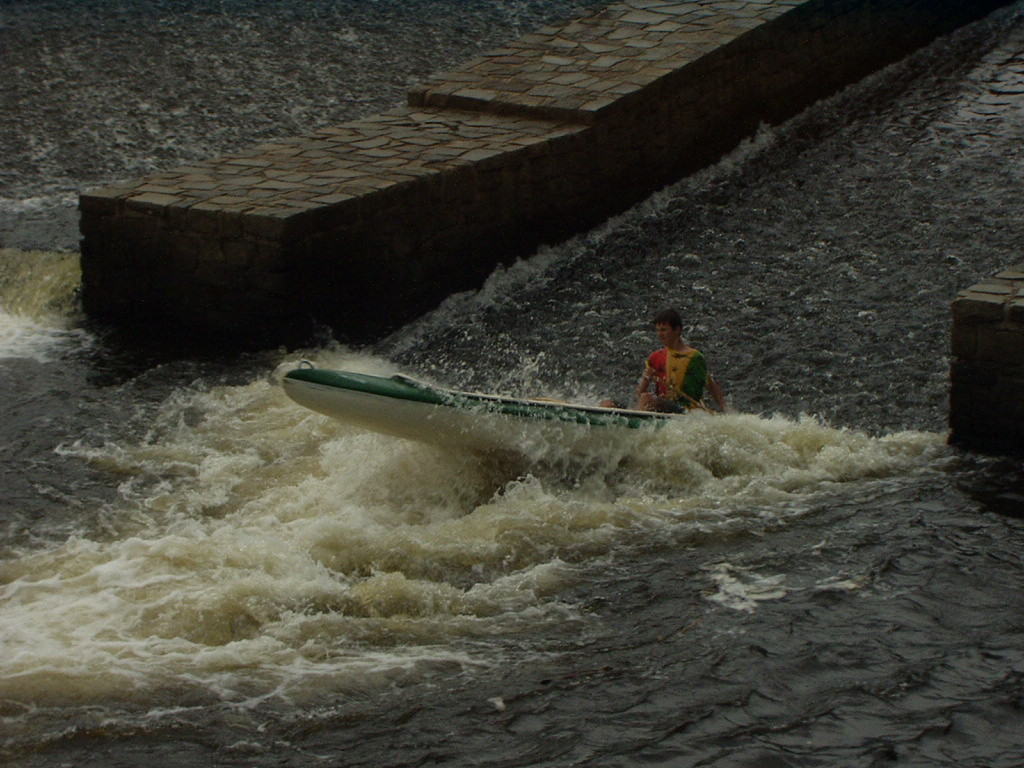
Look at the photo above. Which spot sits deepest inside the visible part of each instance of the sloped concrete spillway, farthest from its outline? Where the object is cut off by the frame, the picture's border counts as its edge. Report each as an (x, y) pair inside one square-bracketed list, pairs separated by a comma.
[(370, 222)]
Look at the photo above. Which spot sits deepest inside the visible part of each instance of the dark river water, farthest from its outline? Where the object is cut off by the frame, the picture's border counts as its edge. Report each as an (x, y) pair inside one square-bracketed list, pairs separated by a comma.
[(194, 571)]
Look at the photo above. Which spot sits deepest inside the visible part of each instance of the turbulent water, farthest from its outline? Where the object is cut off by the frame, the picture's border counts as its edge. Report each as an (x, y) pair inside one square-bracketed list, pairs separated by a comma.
[(195, 571)]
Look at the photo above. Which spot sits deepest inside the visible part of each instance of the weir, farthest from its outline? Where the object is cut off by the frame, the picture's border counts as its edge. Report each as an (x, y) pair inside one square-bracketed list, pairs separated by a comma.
[(360, 226)]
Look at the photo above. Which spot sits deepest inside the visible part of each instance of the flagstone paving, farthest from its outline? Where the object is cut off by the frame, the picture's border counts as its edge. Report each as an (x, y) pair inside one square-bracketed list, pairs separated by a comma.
[(579, 70), (337, 164)]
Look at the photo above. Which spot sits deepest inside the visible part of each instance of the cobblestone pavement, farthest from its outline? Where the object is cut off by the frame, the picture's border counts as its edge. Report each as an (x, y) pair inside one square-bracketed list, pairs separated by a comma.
[(578, 70), (337, 164)]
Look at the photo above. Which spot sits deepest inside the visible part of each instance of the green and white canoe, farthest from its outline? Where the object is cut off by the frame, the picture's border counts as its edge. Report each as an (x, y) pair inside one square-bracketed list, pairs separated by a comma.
[(403, 407)]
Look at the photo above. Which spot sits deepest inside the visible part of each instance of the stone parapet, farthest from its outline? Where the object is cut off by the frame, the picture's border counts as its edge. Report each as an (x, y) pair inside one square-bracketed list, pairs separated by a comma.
[(986, 407), (363, 225)]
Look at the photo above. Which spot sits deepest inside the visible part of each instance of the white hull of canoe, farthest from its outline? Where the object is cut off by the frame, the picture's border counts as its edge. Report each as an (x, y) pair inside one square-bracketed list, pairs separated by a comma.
[(474, 428)]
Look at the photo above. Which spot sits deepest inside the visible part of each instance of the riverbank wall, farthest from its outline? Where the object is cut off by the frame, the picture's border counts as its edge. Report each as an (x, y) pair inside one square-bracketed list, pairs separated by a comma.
[(361, 226), (986, 401)]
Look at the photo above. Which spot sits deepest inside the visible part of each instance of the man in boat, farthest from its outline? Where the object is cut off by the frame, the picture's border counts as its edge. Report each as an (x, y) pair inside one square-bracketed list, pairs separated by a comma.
[(678, 371)]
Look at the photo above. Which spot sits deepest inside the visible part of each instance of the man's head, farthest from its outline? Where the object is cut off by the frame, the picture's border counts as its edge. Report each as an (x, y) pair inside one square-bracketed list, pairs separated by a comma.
[(668, 317), (669, 326)]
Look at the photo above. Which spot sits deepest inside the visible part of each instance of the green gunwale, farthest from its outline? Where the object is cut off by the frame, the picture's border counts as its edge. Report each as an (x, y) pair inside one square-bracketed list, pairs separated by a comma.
[(403, 388)]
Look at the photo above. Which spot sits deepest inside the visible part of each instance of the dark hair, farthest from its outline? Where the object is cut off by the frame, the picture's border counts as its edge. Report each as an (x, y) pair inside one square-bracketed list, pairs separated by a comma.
[(670, 317)]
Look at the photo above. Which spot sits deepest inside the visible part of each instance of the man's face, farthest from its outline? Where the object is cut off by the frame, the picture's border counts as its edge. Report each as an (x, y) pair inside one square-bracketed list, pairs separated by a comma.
[(668, 335)]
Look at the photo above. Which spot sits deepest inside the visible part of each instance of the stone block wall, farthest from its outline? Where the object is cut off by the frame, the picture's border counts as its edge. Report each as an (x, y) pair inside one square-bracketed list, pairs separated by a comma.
[(986, 404), (361, 226)]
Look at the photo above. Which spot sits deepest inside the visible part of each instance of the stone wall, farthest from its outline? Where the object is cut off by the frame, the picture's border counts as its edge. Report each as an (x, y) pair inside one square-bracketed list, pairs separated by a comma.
[(364, 225), (986, 404)]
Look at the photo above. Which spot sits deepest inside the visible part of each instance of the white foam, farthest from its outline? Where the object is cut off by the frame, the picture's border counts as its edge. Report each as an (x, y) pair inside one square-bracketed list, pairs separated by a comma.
[(39, 203), (743, 590), (24, 337), (269, 552)]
